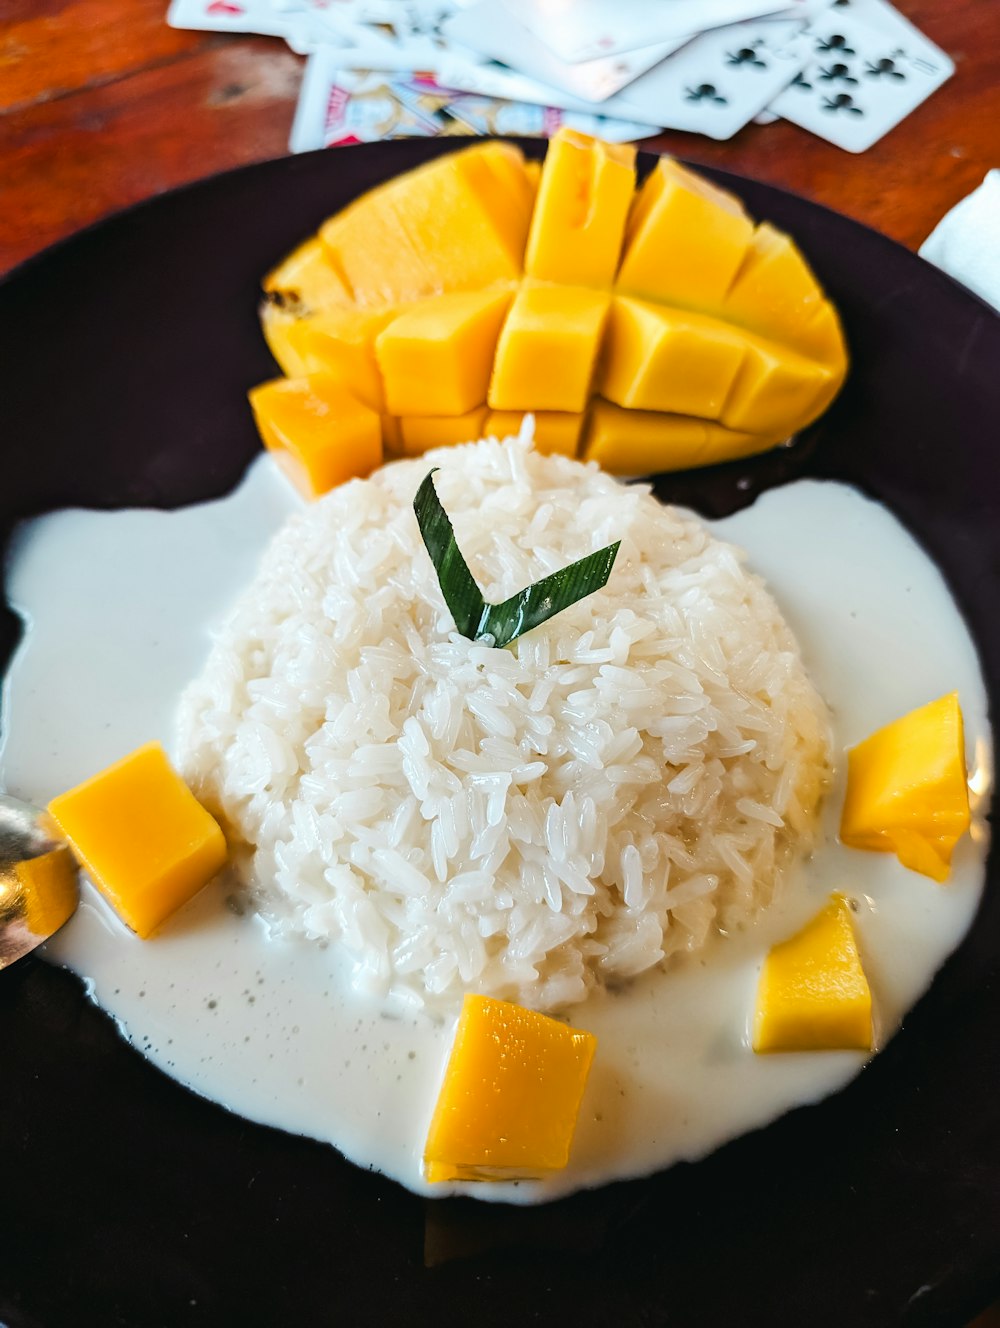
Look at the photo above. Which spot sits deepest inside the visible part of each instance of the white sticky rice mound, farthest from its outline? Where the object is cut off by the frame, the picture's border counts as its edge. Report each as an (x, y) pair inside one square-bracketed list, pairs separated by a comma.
[(527, 822)]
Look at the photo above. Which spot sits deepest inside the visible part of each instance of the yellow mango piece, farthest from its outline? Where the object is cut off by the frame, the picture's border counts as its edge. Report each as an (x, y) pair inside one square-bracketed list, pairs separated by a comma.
[(502, 172), (420, 433), (813, 993), (435, 359), (685, 239), (142, 835), (579, 219), (320, 434), (822, 338), (907, 789), (774, 292), (547, 349), (458, 223), (556, 431), (342, 343), (306, 282), (510, 1097), (777, 391), (280, 330), (645, 442), (668, 359)]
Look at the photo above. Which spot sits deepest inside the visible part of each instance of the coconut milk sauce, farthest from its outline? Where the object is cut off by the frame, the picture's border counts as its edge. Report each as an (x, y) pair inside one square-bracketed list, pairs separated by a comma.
[(118, 607)]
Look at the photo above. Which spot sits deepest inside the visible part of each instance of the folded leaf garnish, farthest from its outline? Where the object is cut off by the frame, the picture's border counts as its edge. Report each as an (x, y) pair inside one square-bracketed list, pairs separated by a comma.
[(501, 623)]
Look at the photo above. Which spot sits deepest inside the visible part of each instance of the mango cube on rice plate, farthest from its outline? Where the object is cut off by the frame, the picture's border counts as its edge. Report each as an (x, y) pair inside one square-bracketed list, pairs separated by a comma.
[(511, 1095)]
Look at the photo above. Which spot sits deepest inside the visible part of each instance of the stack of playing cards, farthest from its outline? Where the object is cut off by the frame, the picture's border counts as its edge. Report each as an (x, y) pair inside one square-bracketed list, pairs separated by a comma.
[(847, 70)]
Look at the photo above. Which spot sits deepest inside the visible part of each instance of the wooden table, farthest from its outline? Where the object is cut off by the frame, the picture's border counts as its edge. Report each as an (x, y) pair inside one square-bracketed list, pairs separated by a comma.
[(101, 104)]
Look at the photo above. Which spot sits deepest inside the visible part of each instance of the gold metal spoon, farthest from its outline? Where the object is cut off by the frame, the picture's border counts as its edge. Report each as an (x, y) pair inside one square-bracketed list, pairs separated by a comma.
[(39, 879)]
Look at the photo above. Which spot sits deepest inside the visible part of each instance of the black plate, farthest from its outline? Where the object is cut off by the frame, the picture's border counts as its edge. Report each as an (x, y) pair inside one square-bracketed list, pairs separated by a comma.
[(127, 1200)]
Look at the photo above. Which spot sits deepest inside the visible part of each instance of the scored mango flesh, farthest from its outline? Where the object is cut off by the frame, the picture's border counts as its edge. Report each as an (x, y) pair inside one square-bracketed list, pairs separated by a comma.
[(479, 282), (908, 791), (511, 1094)]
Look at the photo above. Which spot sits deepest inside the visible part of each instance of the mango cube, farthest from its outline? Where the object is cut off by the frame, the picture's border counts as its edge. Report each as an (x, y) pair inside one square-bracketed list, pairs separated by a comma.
[(319, 432), (685, 239), (579, 218), (664, 359), (511, 1095), (306, 282), (458, 223), (774, 292), (143, 837), (644, 442), (341, 342), (420, 433), (907, 789), (822, 337), (547, 349), (303, 285), (813, 993), (280, 332), (777, 389), (435, 359), (556, 431)]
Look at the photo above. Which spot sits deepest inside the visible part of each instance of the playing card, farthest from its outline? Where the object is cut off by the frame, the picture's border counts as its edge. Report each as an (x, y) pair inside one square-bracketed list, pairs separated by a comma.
[(861, 79), (588, 29), (417, 15), (877, 14), (717, 83), (803, 10), (409, 43), (466, 71), (228, 16), (338, 106), (490, 30), (484, 115)]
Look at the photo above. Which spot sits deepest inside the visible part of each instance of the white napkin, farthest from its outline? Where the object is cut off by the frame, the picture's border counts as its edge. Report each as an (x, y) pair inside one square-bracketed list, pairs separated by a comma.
[(966, 241)]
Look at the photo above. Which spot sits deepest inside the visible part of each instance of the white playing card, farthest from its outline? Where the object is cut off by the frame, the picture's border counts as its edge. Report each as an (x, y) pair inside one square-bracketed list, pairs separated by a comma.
[(408, 44), (717, 83), (418, 15), (861, 80), (588, 29), (803, 10), (878, 14), (228, 16), (494, 33), (467, 71)]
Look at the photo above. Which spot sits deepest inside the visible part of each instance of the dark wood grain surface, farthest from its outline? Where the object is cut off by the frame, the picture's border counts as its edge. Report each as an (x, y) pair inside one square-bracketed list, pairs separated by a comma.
[(102, 104)]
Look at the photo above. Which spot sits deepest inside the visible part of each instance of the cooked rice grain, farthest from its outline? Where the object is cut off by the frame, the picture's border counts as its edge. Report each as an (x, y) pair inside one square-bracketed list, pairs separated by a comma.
[(526, 822)]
